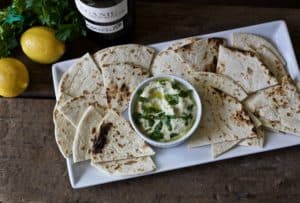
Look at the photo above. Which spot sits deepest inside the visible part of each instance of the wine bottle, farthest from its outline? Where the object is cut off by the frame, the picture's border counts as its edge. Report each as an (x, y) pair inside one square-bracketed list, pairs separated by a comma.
[(108, 21)]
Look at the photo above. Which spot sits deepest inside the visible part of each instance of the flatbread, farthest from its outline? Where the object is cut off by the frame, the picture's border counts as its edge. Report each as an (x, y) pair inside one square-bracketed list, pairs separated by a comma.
[(223, 119), (187, 56), (116, 140), (132, 166), (120, 80), (84, 78), (182, 42), (136, 54), (62, 99), (64, 133), (74, 108), (253, 42), (86, 129), (277, 107), (265, 51), (220, 82), (201, 55), (257, 123), (245, 68), (168, 62), (255, 141), (220, 148)]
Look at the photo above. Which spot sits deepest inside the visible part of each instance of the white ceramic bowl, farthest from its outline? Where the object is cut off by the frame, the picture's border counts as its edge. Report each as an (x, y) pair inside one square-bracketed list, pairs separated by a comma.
[(184, 137)]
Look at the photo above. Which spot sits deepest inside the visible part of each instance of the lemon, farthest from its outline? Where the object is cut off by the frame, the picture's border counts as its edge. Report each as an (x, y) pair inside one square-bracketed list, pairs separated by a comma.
[(14, 77), (41, 45)]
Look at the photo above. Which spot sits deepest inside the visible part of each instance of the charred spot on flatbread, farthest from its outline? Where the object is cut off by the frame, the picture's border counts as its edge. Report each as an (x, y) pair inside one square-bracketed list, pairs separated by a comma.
[(120, 80), (100, 140)]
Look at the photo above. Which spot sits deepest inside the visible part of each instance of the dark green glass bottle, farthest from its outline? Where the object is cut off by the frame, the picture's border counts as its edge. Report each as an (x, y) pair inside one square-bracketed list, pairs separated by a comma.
[(109, 22)]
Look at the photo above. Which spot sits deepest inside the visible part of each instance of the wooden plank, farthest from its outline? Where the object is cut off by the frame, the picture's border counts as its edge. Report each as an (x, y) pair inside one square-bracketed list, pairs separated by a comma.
[(164, 21), (33, 170)]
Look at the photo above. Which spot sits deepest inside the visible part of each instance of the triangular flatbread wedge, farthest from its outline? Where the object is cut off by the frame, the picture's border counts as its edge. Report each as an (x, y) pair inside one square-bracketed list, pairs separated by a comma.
[(257, 123), (220, 82), (255, 141), (132, 166), (120, 80), (245, 68), (64, 132), (201, 54), (84, 78), (74, 108), (116, 140), (223, 119), (86, 129), (264, 49), (252, 42), (168, 62), (136, 54), (187, 56), (182, 42), (220, 148), (277, 107)]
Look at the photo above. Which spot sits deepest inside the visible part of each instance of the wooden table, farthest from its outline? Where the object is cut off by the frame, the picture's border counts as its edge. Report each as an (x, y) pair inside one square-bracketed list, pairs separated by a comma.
[(32, 169)]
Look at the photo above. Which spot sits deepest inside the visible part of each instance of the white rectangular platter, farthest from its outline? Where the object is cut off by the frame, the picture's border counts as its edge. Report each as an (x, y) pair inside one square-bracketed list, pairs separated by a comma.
[(83, 175)]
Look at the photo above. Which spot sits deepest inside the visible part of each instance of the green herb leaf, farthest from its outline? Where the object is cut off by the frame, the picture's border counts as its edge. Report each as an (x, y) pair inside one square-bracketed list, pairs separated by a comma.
[(143, 99), (139, 92), (158, 127), (185, 93), (174, 135), (161, 114), (136, 118), (162, 82), (156, 135), (149, 109), (190, 107), (176, 85), (186, 118), (150, 122), (167, 121), (172, 99)]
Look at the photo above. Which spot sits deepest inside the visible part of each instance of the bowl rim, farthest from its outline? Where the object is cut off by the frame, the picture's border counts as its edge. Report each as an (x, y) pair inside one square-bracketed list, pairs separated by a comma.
[(190, 131)]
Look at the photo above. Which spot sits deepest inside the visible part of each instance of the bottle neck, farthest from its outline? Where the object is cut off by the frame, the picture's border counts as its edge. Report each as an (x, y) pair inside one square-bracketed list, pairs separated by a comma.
[(110, 25)]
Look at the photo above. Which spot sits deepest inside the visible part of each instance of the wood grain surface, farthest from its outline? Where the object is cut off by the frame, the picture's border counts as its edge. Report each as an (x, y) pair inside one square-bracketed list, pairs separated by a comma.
[(32, 169)]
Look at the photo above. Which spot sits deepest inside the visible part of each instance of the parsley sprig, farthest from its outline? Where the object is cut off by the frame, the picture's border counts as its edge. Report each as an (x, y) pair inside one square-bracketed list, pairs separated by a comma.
[(62, 16)]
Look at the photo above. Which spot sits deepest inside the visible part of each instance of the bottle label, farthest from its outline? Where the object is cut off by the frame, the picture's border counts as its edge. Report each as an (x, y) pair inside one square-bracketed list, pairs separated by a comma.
[(103, 15), (105, 28)]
